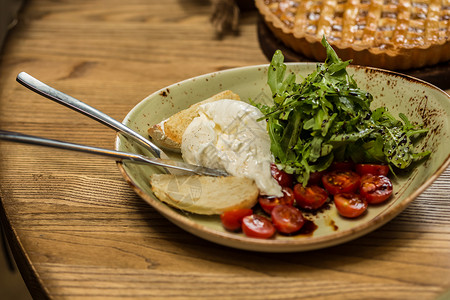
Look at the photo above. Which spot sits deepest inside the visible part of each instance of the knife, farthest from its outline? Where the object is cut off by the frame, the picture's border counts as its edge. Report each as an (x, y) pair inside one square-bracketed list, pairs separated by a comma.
[(117, 155)]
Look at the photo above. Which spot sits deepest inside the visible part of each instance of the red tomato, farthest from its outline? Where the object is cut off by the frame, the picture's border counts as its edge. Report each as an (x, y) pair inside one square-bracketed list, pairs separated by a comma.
[(287, 219), (232, 219), (342, 165), (257, 226), (350, 205), (284, 179), (268, 203), (315, 178), (311, 197), (375, 188), (373, 169), (341, 181)]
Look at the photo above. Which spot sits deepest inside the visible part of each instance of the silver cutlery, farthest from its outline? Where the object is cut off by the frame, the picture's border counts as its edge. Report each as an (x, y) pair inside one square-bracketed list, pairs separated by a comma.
[(117, 155), (81, 107), (161, 159)]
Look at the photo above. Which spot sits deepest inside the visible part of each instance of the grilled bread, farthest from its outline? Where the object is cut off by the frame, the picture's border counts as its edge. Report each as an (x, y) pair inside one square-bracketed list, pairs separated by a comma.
[(204, 194), (169, 133)]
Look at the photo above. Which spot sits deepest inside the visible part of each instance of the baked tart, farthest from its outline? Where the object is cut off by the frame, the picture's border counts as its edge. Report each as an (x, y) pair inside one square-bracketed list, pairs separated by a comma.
[(388, 34)]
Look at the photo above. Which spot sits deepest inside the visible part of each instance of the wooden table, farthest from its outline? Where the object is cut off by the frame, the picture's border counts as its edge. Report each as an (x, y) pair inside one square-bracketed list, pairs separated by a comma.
[(78, 231)]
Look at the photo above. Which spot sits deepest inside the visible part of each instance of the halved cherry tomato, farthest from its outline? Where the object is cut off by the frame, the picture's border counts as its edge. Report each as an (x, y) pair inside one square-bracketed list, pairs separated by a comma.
[(315, 178), (373, 169), (268, 203), (341, 181), (375, 188), (311, 197), (232, 219), (284, 179), (257, 226), (287, 219), (342, 165), (350, 205)]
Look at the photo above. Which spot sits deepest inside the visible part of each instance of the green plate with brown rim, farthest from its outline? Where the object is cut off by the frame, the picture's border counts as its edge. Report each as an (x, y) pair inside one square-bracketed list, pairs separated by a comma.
[(420, 101)]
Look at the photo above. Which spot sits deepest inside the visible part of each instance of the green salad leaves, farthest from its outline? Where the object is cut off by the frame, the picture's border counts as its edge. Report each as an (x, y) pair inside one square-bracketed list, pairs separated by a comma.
[(327, 117)]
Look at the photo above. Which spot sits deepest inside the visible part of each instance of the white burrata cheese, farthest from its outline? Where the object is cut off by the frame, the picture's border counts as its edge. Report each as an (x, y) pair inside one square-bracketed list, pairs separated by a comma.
[(226, 135)]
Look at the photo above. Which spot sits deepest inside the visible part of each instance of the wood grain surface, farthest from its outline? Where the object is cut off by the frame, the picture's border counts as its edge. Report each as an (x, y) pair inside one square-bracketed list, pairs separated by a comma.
[(78, 231)]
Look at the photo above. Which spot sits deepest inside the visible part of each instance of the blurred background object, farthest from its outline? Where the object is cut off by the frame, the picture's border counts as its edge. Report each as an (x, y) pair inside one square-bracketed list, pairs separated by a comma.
[(8, 16), (276, 32), (11, 283), (225, 17)]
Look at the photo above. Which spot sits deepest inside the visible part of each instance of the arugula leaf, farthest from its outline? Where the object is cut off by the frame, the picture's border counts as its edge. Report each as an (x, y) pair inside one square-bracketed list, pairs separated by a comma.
[(279, 86), (326, 117)]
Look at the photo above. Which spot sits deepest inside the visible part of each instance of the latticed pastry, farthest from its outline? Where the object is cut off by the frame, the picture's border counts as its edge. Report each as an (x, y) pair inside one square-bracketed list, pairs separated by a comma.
[(390, 34)]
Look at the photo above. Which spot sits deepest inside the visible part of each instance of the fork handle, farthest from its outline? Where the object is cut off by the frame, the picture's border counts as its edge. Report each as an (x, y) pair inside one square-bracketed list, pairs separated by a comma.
[(81, 107)]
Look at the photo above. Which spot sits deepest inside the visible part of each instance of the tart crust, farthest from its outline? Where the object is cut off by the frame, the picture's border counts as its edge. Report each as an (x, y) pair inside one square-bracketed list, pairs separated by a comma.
[(388, 34)]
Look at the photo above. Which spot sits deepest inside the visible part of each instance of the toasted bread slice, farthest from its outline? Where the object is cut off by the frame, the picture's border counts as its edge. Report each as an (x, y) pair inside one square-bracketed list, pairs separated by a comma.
[(204, 194), (169, 132)]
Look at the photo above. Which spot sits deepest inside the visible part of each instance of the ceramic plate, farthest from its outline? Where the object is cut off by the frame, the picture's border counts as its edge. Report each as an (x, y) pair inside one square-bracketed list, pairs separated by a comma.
[(420, 101)]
